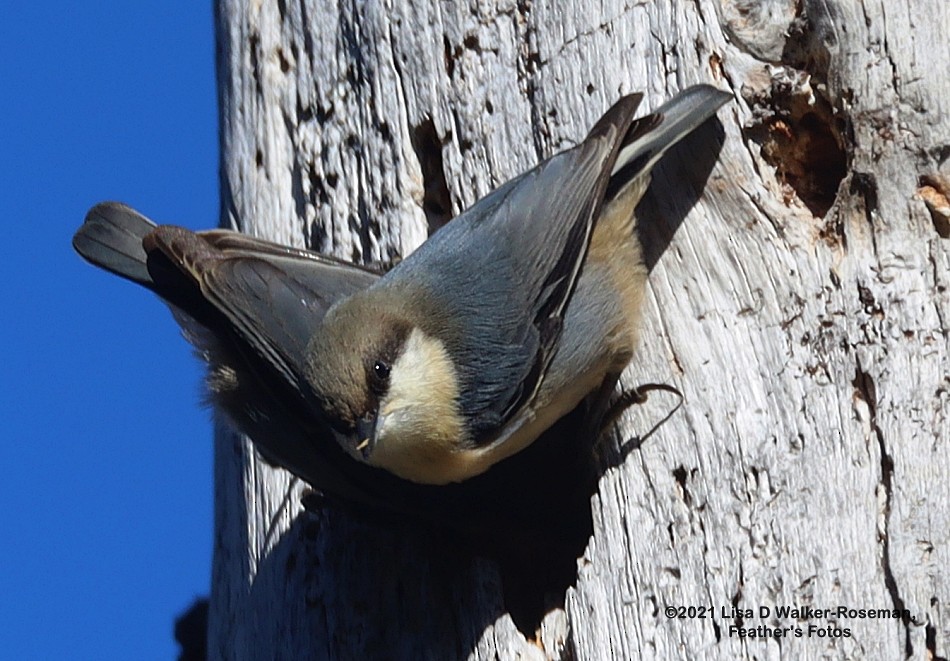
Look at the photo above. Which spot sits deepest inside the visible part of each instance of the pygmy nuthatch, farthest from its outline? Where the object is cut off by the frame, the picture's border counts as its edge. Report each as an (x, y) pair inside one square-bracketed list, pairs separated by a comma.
[(460, 356), (506, 318)]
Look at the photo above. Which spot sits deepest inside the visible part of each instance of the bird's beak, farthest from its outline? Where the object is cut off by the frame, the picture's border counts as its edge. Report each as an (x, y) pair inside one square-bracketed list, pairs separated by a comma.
[(366, 432)]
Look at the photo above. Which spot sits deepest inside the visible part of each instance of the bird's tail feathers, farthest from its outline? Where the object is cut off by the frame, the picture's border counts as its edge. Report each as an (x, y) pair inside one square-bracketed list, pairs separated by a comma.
[(650, 136), (111, 238)]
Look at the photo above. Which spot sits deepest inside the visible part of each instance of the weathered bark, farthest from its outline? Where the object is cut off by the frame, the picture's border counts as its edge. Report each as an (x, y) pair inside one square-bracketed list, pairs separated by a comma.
[(802, 308)]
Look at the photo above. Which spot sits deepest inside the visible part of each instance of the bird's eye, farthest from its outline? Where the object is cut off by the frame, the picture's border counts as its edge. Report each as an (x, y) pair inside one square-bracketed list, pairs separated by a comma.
[(381, 370), (381, 374)]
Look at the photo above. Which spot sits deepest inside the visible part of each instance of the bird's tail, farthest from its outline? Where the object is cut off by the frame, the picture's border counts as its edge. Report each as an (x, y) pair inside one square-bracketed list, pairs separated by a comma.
[(650, 136), (111, 238)]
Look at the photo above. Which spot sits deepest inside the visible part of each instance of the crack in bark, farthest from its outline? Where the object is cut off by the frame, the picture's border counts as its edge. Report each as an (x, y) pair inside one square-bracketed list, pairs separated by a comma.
[(604, 25), (930, 641), (307, 37), (865, 388), (427, 145), (895, 76), (528, 64), (865, 185), (939, 289), (702, 527), (436, 199), (253, 46)]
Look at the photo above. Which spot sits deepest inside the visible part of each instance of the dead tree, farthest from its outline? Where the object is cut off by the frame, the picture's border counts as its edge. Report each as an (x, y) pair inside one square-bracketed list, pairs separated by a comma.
[(801, 307)]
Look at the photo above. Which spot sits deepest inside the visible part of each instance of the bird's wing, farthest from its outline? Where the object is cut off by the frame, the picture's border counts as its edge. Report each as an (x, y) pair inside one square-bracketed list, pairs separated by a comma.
[(642, 145), (511, 262), (273, 295)]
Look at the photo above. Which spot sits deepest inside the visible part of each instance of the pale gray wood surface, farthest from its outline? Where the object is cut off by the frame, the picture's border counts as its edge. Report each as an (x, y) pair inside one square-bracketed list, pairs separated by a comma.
[(802, 308)]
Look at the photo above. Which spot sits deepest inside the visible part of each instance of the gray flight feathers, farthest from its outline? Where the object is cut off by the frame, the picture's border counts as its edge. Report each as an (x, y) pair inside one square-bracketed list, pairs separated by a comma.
[(511, 261), (273, 296)]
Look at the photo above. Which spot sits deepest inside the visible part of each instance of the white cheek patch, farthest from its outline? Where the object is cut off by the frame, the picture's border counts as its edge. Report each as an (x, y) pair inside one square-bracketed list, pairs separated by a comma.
[(422, 398), (422, 373)]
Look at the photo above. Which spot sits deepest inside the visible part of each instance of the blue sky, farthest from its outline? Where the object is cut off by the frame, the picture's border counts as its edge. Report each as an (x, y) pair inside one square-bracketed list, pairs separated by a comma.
[(105, 499)]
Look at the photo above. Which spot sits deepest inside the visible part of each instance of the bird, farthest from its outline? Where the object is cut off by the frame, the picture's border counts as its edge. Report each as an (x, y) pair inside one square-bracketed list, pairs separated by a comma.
[(457, 358), (506, 318), (248, 307)]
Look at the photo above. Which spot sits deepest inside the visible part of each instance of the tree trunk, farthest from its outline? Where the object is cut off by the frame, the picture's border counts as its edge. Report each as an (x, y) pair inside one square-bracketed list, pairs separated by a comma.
[(802, 309)]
